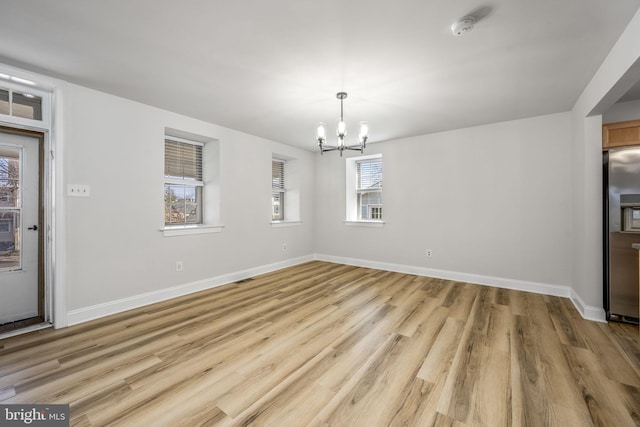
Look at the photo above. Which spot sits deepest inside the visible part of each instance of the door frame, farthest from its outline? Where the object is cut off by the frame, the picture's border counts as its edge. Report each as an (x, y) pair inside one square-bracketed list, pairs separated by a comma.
[(52, 298)]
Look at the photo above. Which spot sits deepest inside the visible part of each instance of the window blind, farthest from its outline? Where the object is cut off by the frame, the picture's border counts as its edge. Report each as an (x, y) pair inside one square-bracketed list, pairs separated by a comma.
[(369, 174), (26, 106), (277, 175), (182, 160), (4, 101)]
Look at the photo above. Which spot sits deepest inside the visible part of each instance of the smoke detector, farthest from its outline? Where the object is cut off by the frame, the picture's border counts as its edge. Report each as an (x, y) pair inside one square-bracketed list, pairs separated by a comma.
[(463, 25)]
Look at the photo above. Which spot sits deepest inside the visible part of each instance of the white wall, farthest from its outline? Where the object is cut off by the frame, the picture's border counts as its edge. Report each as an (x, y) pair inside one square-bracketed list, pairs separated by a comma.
[(619, 72), (491, 200), (114, 249), (622, 112)]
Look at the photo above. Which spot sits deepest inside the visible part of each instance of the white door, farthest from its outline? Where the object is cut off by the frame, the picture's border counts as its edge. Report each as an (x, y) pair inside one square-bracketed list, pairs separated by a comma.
[(19, 206)]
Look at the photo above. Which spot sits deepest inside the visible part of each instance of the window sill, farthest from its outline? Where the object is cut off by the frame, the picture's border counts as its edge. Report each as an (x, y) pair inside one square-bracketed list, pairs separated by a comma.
[(364, 223), (279, 224), (191, 229)]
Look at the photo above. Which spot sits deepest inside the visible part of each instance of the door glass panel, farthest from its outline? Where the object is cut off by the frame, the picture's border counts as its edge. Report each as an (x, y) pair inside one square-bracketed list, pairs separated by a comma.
[(27, 106), (9, 209), (10, 240), (4, 101)]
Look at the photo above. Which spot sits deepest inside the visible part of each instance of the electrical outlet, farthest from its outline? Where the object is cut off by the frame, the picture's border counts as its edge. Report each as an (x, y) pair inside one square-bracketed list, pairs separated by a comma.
[(179, 266), (429, 253), (284, 246)]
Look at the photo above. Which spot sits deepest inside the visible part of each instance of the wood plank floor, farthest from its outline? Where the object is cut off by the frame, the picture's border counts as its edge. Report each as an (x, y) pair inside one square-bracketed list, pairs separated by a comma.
[(324, 344)]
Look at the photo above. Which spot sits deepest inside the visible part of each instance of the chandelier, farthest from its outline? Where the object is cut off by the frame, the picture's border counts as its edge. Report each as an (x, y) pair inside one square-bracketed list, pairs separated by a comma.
[(341, 132)]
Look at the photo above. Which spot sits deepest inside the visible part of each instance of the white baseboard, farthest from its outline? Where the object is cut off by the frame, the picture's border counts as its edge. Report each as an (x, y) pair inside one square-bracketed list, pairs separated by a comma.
[(93, 312), (587, 312), (86, 314)]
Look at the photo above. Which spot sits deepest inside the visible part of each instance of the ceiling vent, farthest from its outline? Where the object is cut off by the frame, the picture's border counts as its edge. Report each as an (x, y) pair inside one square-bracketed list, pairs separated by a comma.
[(463, 25)]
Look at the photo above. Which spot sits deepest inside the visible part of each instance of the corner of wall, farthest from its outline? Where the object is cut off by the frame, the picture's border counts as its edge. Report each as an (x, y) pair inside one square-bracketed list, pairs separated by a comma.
[(588, 312)]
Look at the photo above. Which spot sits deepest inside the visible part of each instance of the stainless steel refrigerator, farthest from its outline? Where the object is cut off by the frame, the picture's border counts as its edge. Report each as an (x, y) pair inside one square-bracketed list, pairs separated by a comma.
[(622, 230)]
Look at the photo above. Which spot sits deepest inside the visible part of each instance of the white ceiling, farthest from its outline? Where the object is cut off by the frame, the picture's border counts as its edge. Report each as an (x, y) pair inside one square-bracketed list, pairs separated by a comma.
[(272, 68)]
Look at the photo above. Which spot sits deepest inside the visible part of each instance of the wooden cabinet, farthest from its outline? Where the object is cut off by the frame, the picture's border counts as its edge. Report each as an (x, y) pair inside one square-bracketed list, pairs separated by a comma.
[(621, 134)]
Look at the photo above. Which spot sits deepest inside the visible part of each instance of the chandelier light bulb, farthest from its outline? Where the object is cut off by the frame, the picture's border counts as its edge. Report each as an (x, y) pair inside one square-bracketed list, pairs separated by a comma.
[(322, 134), (364, 132), (342, 129)]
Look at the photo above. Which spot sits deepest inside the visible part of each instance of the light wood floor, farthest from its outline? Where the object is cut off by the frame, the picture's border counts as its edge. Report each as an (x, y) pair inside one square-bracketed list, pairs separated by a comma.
[(328, 344)]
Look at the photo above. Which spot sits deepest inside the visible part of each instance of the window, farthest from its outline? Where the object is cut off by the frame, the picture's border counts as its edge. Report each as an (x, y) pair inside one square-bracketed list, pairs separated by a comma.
[(4, 101), (369, 189), (191, 184), (277, 189), (375, 212), (285, 190), (364, 191), (20, 104), (183, 182)]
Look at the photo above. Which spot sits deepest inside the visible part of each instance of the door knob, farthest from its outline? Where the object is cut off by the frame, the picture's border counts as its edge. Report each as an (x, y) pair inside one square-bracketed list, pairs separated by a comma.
[(34, 228)]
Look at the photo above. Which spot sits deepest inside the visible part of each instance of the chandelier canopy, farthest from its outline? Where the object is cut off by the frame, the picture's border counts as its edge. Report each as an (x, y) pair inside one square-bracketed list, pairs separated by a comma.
[(341, 132)]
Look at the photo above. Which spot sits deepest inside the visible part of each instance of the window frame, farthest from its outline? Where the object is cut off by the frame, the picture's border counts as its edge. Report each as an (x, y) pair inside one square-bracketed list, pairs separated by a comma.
[(210, 190), (369, 190), (353, 216), (291, 201), (23, 86), (196, 182), (279, 189)]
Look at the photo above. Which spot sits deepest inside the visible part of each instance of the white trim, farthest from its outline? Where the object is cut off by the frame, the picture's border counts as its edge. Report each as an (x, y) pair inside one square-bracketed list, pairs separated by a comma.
[(498, 282), (365, 157), (52, 126), (86, 314), (183, 140), (188, 182), (364, 223), (45, 96), (57, 232), (280, 224), (587, 312), (53, 204), (352, 212), (185, 230)]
